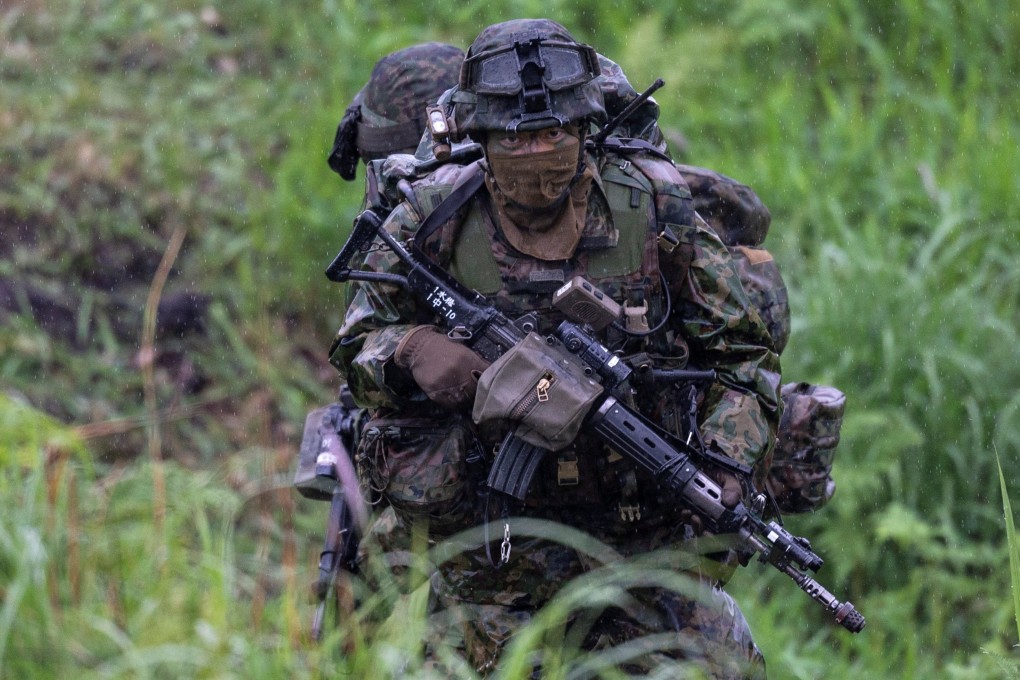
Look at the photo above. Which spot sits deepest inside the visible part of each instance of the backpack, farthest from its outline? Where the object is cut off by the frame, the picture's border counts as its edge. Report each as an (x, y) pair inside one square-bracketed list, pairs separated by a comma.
[(800, 478)]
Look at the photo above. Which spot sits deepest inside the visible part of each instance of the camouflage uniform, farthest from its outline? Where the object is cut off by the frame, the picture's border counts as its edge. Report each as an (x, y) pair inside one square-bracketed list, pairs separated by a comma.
[(800, 478), (712, 324)]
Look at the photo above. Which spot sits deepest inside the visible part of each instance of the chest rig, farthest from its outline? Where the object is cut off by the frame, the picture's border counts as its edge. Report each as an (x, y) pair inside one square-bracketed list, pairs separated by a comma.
[(626, 243), (619, 251)]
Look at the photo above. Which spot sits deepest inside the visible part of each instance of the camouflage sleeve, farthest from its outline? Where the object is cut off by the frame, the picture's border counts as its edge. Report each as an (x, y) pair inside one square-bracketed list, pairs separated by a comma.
[(741, 410), (377, 318)]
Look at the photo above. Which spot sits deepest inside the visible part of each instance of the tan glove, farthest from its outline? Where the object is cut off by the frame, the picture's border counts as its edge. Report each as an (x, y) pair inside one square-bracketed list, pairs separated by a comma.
[(447, 371), (732, 489)]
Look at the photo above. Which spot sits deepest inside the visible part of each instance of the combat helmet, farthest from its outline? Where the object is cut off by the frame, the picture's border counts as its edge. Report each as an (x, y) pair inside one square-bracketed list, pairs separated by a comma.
[(388, 115), (525, 74)]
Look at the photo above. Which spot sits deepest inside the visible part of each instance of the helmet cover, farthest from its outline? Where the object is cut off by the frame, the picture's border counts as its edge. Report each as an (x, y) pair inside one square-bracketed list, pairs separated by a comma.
[(526, 74), (388, 114)]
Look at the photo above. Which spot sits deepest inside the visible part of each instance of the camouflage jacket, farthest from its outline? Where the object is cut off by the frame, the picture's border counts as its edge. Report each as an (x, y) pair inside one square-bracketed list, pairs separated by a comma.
[(712, 320)]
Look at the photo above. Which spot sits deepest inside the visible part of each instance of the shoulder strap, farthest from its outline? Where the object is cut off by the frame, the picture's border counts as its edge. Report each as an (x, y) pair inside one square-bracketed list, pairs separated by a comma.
[(460, 195), (625, 145)]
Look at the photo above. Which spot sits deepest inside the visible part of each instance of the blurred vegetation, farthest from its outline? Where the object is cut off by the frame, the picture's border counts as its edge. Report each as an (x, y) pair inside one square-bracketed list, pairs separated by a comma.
[(145, 457)]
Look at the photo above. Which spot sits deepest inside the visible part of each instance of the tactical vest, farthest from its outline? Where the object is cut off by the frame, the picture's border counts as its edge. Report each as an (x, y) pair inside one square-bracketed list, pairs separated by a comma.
[(619, 252), (626, 262)]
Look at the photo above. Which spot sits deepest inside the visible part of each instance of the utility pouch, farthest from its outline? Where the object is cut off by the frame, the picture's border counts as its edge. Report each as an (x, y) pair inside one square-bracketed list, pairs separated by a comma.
[(320, 426), (800, 477), (420, 466), (541, 388), (766, 289)]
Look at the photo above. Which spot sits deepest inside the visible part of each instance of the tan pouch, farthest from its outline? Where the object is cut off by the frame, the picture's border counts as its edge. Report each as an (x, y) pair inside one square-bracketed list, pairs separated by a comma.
[(539, 387)]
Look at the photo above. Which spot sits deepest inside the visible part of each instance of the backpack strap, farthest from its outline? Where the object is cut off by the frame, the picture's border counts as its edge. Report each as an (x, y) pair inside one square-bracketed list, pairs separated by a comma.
[(626, 145), (457, 199)]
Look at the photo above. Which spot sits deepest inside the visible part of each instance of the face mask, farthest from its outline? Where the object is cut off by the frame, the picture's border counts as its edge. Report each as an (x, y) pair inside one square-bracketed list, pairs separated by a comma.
[(535, 180), (540, 201)]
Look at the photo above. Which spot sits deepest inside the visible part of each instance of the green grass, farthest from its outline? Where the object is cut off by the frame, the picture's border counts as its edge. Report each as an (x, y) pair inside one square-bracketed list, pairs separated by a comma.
[(882, 136), (1014, 563)]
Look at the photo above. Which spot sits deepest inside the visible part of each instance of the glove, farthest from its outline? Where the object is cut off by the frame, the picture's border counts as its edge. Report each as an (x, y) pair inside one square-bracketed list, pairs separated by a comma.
[(732, 488), (446, 370)]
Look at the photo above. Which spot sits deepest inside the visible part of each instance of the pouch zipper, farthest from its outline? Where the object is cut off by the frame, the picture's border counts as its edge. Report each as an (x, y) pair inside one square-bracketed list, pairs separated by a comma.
[(540, 393)]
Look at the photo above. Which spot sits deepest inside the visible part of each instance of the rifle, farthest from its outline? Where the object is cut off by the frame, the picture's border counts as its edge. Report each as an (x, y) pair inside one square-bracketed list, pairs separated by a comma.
[(325, 472), (470, 318)]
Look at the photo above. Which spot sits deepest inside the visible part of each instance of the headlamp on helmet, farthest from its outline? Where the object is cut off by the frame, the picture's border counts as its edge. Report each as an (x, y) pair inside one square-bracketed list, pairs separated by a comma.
[(439, 129)]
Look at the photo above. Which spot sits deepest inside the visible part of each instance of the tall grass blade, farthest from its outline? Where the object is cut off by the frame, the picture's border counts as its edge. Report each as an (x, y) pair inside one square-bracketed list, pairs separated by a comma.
[(1014, 546)]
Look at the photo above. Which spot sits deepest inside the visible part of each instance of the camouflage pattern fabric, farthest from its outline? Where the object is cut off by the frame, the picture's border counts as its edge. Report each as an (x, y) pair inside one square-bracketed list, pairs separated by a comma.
[(705, 633), (403, 80), (393, 101), (388, 114), (801, 478), (732, 209), (712, 319), (766, 289), (475, 113), (417, 462), (713, 639)]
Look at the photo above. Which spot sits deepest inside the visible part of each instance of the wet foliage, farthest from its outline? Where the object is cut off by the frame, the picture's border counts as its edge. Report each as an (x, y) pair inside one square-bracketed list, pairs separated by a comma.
[(166, 214)]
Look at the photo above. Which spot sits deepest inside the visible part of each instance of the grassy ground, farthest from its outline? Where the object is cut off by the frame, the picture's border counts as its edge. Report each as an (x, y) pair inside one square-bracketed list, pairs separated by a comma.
[(174, 154)]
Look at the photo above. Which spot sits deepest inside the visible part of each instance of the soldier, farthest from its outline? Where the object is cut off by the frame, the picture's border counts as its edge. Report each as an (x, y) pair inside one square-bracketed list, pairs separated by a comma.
[(387, 115), (540, 208)]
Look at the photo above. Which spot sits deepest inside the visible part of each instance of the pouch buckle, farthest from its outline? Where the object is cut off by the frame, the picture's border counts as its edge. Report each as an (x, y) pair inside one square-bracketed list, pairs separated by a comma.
[(567, 471)]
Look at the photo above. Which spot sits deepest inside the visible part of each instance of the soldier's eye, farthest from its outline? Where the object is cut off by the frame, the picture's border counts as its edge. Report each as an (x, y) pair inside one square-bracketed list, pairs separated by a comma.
[(511, 142)]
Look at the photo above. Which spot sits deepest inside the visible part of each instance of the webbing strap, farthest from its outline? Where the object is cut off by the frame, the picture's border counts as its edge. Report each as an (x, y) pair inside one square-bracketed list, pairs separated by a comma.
[(460, 195), (624, 145), (386, 139)]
